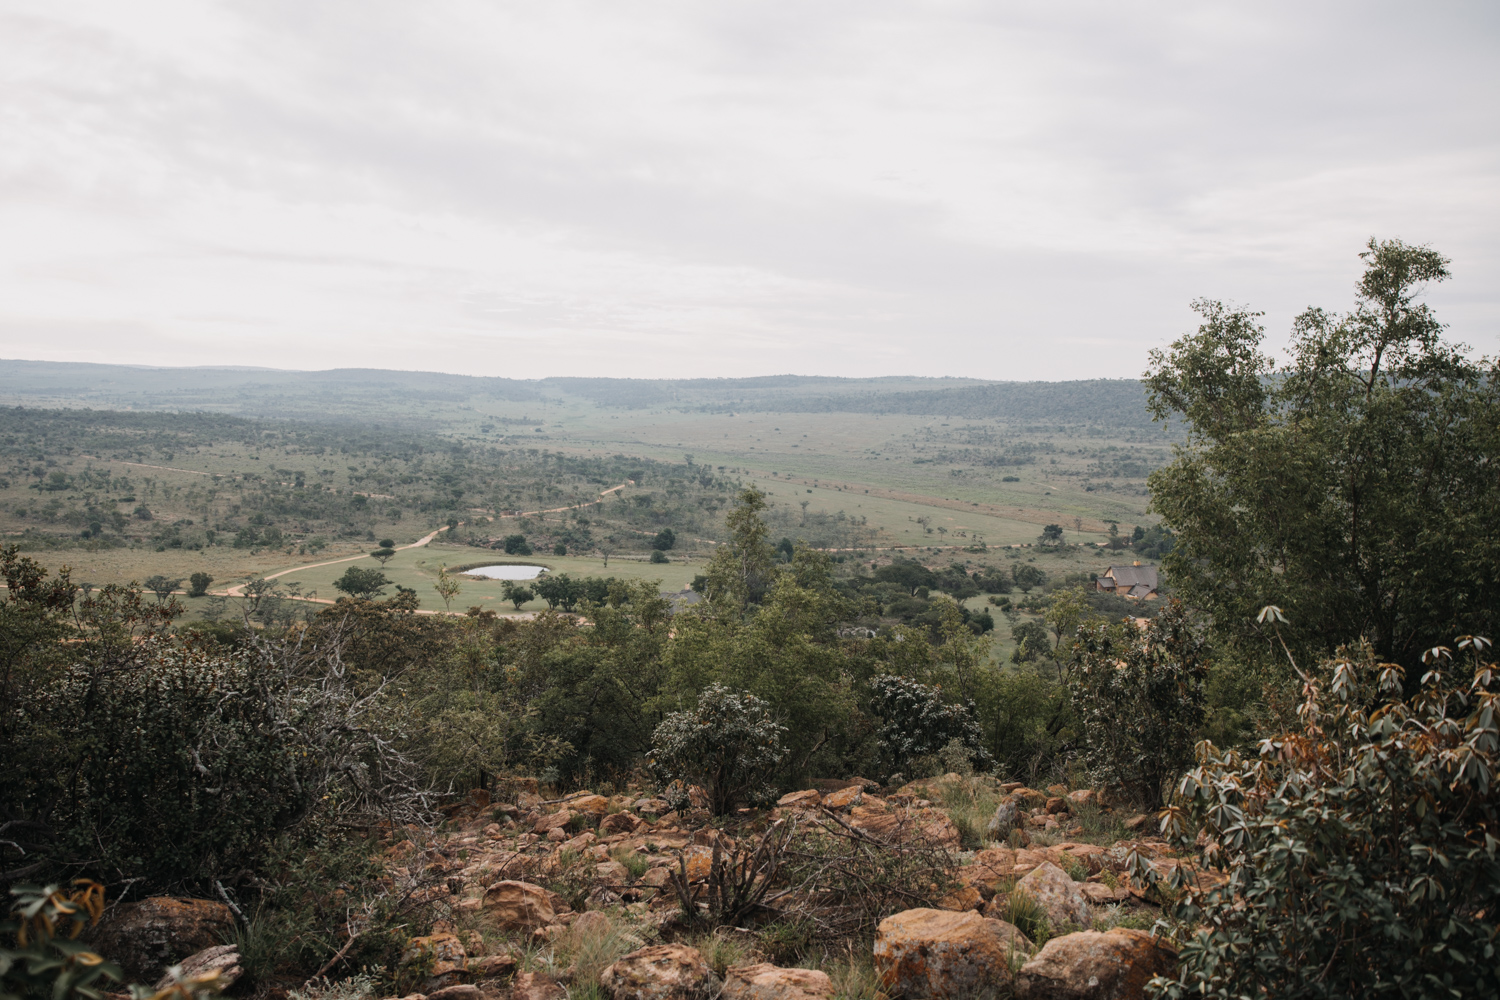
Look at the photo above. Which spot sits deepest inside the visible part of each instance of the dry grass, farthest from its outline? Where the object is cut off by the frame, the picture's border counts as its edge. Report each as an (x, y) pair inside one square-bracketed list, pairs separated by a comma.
[(722, 948), (970, 804), (851, 971)]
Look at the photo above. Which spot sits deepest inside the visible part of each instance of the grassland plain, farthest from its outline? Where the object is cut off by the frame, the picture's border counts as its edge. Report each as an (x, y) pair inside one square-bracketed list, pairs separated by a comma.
[(942, 487)]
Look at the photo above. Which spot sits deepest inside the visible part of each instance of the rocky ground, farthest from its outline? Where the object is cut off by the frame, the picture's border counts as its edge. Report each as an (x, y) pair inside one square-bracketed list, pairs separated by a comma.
[(947, 887)]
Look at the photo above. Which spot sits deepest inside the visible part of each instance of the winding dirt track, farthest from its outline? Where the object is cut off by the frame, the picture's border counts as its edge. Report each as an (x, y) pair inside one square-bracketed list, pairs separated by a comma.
[(239, 590)]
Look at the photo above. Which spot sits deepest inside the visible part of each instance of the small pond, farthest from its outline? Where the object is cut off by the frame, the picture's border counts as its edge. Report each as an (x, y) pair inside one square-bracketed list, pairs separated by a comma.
[(507, 572)]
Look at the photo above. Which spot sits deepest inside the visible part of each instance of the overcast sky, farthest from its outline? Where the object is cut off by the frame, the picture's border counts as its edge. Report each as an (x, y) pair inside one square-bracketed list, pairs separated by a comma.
[(1000, 190)]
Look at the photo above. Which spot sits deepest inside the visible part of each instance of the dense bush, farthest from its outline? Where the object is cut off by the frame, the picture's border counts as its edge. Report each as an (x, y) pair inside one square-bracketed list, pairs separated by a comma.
[(130, 752), (1362, 849), (1138, 696), (916, 722), (728, 744)]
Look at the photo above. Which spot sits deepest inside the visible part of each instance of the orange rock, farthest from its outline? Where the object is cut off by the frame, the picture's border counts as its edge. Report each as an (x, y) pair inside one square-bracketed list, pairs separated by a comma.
[(699, 862), (936, 953), (1099, 894), (1114, 965), (458, 991), (536, 986), (445, 951), (656, 877), (146, 937), (939, 829), (593, 805), (1057, 804), (553, 821), (620, 822), (660, 972), (965, 897), (580, 843), (768, 982), (492, 966), (801, 800), (1030, 797), (844, 798), (519, 906)]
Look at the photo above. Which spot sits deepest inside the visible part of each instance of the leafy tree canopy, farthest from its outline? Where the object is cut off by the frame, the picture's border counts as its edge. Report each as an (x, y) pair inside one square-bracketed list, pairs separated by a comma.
[(363, 583), (1351, 486)]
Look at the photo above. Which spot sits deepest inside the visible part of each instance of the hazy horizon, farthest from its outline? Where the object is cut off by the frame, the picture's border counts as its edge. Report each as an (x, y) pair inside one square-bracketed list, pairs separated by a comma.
[(664, 189)]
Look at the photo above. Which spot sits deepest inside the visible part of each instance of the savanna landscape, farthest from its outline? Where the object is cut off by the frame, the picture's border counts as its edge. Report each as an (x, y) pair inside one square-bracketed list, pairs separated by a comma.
[(802, 687)]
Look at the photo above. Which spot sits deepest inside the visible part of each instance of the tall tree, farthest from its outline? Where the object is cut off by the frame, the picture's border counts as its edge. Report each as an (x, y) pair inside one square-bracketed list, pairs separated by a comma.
[(741, 571), (1353, 486)]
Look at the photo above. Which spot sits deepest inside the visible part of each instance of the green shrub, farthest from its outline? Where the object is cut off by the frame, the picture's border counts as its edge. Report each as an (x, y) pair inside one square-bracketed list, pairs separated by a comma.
[(313, 889), (1139, 697), (1363, 850), (131, 752), (916, 722), (728, 744), (785, 942)]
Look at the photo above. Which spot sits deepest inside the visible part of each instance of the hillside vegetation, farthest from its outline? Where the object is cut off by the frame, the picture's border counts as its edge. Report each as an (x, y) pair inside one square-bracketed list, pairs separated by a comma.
[(857, 748)]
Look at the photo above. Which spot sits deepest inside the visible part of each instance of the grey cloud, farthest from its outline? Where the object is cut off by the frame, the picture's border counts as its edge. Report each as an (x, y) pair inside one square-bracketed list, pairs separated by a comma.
[(1073, 173)]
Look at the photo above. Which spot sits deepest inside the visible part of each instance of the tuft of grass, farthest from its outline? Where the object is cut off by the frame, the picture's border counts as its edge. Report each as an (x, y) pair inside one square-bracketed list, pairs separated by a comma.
[(1106, 917), (634, 863), (785, 942), (721, 950), (1099, 827), (586, 955), (1076, 869), (1028, 916), (851, 972), (969, 803)]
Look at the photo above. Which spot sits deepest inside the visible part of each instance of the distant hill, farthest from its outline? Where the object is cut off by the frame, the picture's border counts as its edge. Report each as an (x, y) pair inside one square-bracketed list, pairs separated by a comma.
[(359, 393)]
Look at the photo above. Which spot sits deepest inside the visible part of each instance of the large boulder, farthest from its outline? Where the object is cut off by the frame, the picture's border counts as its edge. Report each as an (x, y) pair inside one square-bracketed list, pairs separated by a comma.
[(593, 805), (1007, 815), (698, 861), (805, 799), (145, 938), (938, 953), (768, 982), (553, 821), (519, 906), (1114, 965), (221, 962), (620, 822), (444, 955), (660, 972), (1058, 896), (844, 798)]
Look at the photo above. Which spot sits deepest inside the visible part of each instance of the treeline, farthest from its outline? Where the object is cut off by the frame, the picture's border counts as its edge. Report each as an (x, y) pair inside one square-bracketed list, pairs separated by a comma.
[(347, 394)]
